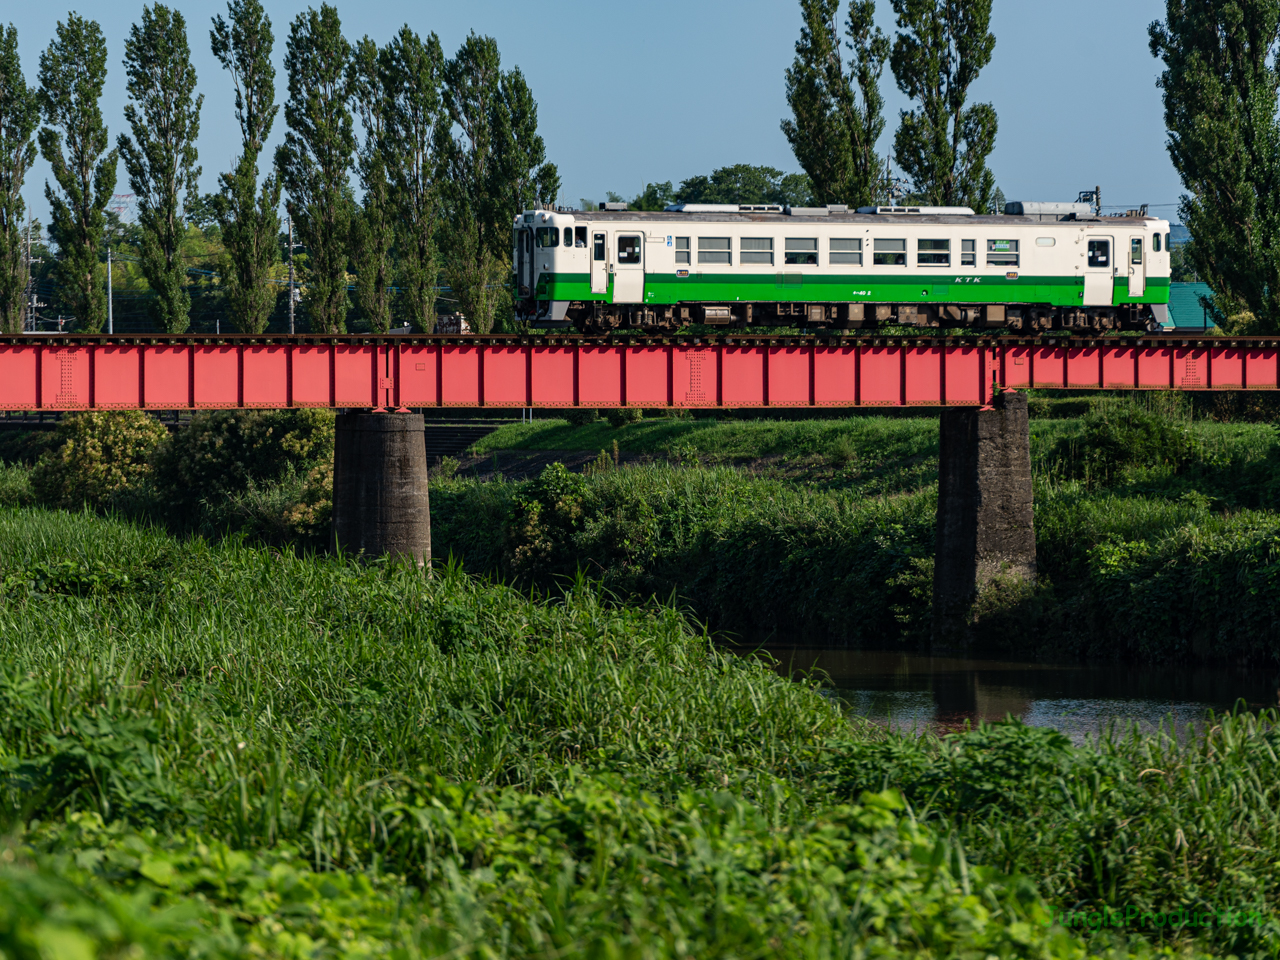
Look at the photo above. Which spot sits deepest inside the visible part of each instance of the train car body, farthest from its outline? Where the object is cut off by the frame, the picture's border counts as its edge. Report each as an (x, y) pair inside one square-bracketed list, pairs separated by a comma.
[(810, 267)]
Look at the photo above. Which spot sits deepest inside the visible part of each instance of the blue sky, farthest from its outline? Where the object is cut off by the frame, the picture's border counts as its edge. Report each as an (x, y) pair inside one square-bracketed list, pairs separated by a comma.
[(662, 90)]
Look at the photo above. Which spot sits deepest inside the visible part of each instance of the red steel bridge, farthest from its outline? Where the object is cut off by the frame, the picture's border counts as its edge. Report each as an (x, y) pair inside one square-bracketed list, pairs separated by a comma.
[(196, 372)]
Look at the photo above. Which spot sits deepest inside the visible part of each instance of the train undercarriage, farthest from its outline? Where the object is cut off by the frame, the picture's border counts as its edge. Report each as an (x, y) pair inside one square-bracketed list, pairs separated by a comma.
[(596, 318)]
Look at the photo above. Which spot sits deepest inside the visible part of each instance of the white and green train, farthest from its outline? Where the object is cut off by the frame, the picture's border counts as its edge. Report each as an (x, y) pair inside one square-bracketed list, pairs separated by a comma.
[(1037, 268)]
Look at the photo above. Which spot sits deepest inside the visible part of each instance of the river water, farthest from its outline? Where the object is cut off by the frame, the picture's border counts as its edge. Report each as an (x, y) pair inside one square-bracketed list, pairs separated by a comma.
[(914, 691)]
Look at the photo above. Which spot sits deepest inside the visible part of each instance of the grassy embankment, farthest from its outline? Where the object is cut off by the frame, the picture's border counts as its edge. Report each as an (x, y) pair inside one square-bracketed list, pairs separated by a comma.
[(229, 751), (1157, 533)]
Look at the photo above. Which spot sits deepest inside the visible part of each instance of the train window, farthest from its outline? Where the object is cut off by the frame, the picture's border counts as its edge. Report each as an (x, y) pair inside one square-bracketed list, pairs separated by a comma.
[(889, 253), (1045, 241), (1099, 253), (756, 250), (682, 249), (801, 250), (968, 253), (568, 236), (628, 249), (846, 250), (1135, 250), (599, 245), (1002, 253), (580, 237), (714, 250), (548, 237), (1168, 242), (1155, 242), (933, 253)]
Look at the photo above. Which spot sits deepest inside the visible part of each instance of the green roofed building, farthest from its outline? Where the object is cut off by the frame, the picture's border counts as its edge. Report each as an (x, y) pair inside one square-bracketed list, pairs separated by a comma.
[(1185, 308)]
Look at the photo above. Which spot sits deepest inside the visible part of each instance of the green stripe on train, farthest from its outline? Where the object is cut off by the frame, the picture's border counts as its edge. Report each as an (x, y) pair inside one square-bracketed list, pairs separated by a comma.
[(666, 288)]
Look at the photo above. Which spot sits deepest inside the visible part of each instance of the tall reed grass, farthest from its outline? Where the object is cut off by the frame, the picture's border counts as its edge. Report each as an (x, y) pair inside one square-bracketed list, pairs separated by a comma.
[(485, 773)]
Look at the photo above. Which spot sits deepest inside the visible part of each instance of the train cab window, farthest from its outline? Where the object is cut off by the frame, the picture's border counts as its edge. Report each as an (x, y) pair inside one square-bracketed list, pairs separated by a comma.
[(846, 250), (682, 250), (756, 250), (801, 251), (1155, 242), (1168, 242), (1099, 253), (548, 237), (933, 253), (889, 253), (580, 237), (628, 249), (599, 246), (968, 253), (1135, 250), (568, 236), (714, 250), (1002, 253)]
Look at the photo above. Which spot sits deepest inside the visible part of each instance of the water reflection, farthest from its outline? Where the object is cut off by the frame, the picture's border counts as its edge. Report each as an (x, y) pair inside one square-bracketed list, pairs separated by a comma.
[(917, 691)]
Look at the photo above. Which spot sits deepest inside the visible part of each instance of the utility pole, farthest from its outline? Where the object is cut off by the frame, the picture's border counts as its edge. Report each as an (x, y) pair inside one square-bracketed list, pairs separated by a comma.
[(111, 322), (32, 297), (30, 290), (291, 298)]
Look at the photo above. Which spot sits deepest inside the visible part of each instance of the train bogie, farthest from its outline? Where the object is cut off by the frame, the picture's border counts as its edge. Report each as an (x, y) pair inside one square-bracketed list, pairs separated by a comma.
[(827, 267)]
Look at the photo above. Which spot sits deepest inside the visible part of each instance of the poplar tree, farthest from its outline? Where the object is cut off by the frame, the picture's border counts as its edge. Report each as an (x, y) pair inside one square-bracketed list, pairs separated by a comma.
[(371, 224), (72, 71), (942, 144), (249, 215), (411, 79), (837, 114), (164, 116), (1220, 102), (19, 117), (315, 159), (494, 168)]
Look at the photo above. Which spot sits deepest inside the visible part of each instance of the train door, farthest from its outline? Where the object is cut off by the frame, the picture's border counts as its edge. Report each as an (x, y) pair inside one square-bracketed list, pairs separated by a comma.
[(628, 269), (599, 262), (1137, 268), (1099, 271), (524, 262)]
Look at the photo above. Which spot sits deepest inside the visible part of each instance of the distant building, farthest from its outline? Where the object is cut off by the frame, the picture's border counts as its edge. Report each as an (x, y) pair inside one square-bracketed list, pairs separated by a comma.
[(1185, 308), (124, 206)]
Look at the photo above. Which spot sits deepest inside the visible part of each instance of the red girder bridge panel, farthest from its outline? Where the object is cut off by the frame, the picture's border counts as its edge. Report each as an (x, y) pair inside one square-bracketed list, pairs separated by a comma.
[(196, 372)]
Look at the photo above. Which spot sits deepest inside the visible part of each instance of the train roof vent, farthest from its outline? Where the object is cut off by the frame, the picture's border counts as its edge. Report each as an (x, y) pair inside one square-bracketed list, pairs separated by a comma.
[(706, 208), (934, 211), (1048, 210), (613, 206)]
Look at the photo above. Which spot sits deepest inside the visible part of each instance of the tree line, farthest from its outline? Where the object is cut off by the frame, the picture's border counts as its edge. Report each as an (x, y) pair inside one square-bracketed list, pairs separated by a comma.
[(444, 152), (837, 114), (1221, 90), (837, 110)]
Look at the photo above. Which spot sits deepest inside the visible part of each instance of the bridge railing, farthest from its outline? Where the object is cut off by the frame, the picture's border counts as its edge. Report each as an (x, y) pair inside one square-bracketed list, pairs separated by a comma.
[(396, 372)]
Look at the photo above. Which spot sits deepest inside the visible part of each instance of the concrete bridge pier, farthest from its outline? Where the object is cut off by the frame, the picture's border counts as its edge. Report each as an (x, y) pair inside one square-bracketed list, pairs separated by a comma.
[(380, 502), (985, 523)]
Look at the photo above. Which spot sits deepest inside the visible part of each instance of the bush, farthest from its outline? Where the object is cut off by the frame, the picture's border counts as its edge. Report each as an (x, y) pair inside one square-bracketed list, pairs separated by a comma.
[(96, 456), (621, 416), (582, 417), (25, 446), (1129, 435), (225, 453), (15, 487)]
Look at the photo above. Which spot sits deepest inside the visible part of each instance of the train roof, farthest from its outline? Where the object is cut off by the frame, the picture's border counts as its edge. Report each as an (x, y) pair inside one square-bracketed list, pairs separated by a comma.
[(870, 219)]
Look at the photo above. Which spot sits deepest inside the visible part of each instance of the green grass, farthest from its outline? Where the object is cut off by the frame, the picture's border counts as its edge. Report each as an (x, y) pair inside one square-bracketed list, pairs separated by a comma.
[(871, 437), (228, 751)]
